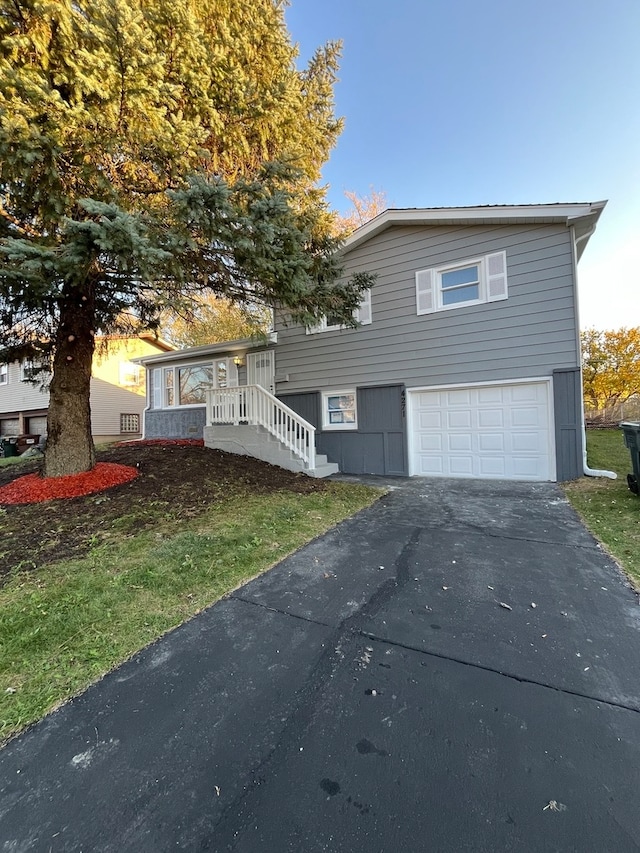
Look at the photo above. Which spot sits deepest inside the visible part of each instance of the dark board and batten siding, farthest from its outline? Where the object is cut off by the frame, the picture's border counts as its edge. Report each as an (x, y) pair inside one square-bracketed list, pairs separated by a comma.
[(378, 446), (531, 333), (567, 403)]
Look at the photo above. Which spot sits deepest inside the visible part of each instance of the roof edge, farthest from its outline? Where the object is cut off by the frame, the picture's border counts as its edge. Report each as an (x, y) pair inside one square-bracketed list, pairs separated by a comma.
[(570, 213), (205, 350)]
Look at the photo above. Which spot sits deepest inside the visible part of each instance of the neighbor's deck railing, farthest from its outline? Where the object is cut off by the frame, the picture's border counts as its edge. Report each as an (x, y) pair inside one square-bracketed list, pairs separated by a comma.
[(252, 404)]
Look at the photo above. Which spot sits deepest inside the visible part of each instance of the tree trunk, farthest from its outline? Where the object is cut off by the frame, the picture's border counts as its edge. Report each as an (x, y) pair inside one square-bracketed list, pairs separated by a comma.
[(69, 447)]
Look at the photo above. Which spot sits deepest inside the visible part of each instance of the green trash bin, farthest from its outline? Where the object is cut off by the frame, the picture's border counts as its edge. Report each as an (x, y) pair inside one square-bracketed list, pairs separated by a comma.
[(9, 447), (632, 440)]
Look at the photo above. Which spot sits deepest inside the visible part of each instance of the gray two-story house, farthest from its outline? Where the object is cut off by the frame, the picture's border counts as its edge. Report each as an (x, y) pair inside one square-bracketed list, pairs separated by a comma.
[(465, 363)]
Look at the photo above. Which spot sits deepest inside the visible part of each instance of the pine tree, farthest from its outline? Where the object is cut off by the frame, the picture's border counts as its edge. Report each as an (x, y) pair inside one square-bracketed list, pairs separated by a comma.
[(135, 147)]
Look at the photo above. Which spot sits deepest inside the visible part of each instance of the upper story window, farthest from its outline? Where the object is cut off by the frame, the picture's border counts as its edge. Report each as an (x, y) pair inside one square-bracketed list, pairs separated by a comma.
[(331, 324), (32, 371), (4, 374), (130, 374), (470, 282)]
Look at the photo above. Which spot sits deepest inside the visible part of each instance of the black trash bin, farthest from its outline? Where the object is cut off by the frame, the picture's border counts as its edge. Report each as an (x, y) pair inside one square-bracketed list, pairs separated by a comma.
[(632, 440), (9, 447)]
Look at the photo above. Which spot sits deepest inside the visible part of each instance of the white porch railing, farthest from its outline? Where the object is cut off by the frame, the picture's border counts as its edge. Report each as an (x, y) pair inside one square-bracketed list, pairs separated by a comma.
[(252, 404)]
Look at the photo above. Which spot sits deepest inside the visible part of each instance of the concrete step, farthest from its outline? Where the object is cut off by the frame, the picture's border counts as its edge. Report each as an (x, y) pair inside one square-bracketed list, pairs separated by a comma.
[(323, 470), (246, 440)]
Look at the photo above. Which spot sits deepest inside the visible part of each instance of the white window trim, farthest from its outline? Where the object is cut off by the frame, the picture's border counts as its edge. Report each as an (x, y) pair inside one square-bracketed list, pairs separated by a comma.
[(32, 370), (363, 315), (129, 368), (4, 374), (325, 411), (491, 287), (158, 392)]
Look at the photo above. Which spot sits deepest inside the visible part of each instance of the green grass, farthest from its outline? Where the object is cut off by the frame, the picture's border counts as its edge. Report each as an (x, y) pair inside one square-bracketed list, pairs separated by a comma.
[(67, 624), (13, 460), (610, 510)]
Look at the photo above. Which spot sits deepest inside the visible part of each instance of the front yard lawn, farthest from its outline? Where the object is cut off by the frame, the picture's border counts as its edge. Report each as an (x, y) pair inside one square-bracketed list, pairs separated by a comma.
[(609, 509), (86, 582)]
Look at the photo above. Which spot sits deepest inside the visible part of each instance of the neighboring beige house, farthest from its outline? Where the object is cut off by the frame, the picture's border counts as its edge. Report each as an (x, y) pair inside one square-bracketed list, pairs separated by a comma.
[(118, 393)]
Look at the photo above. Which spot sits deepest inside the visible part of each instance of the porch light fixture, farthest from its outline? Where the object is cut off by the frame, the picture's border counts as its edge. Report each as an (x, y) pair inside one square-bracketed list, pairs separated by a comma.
[(238, 360)]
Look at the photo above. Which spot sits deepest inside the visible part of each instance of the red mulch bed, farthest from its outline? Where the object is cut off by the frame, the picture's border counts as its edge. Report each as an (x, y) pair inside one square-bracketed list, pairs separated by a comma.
[(32, 488)]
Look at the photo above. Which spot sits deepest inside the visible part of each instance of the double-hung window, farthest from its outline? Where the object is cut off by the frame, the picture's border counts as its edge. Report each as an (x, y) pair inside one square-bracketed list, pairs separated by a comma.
[(4, 374), (469, 282), (331, 323), (339, 410)]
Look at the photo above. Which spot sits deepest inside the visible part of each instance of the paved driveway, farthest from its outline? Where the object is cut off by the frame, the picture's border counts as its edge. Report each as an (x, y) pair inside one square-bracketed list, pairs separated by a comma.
[(371, 693)]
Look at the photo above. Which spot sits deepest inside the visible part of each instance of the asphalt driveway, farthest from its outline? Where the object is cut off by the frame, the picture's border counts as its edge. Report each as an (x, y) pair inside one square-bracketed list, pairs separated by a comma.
[(456, 668)]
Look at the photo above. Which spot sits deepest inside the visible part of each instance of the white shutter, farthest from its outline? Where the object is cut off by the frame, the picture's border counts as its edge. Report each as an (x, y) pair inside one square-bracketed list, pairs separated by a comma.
[(363, 313), (232, 373), (156, 398), (425, 297), (496, 276)]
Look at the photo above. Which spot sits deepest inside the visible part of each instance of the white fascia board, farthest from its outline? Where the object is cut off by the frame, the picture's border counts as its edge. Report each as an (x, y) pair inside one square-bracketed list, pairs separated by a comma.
[(196, 352), (486, 214)]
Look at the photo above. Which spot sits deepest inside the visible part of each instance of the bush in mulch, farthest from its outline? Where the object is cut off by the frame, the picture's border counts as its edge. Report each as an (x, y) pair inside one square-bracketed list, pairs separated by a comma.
[(32, 488)]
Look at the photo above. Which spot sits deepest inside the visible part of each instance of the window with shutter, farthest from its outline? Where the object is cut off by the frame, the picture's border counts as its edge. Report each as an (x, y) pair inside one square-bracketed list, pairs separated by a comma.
[(362, 314), (470, 282)]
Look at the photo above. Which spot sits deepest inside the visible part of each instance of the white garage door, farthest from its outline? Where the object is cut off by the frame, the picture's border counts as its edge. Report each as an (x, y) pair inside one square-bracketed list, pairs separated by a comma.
[(491, 431)]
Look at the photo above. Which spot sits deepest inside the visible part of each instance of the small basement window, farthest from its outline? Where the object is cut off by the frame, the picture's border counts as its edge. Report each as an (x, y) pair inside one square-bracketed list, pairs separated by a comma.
[(339, 410), (129, 423)]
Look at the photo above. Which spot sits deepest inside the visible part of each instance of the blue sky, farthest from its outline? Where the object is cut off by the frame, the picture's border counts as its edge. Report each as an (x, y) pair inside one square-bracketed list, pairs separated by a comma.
[(463, 102)]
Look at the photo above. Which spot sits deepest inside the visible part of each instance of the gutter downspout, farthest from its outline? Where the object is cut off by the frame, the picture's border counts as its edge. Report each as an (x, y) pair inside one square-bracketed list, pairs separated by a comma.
[(588, 472)]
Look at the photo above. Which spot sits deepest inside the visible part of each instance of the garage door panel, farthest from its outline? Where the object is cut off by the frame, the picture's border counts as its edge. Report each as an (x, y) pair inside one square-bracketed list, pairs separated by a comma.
[(492, 466), (527, 442), (490, 418), (432, 466), (490, 395), (430, 420), (431, 442), (527, 393), (457, 419), (458, 398), (525, 417), (460, 441), (491, 441), (525, 468), (500, 432), (461, 466)]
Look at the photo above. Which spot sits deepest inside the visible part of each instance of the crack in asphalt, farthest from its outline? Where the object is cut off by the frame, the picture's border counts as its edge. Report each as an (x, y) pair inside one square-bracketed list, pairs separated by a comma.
[(510, 675), (305, 703), (441, 656), (304, 706)]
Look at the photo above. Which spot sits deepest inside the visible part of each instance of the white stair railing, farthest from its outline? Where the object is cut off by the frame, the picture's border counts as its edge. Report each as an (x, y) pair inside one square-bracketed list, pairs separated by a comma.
[(254, 405)]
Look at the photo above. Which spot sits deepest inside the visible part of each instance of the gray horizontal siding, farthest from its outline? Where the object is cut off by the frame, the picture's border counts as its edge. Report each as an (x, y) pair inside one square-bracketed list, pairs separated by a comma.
[(18, 396), (532, 333)]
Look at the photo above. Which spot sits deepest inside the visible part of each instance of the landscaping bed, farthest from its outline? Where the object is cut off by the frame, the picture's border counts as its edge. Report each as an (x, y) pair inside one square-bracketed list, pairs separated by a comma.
[(176, 482)]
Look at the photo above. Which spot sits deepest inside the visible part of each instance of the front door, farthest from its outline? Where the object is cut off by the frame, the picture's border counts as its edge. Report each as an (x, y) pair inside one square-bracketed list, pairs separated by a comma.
[(261, 369)]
